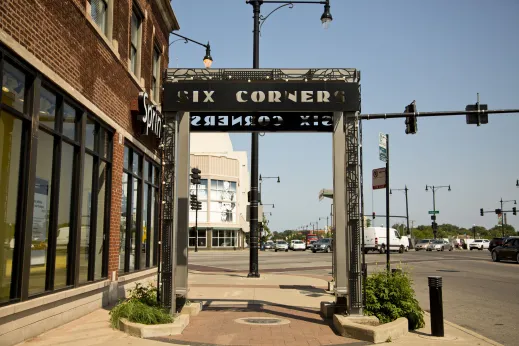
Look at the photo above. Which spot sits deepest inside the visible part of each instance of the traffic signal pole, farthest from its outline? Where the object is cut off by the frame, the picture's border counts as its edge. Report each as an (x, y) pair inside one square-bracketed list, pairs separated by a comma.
[(196, 220), (388, 241)]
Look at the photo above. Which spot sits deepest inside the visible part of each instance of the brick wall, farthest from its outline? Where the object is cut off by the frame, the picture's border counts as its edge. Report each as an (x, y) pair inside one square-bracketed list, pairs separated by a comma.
[(60, 34)]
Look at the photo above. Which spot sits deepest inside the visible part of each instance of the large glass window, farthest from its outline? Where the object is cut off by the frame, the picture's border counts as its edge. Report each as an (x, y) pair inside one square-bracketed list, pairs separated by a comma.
[(202, 237), (224, 238), (64, 213), (139, 212), (10, 147), (223, 201)]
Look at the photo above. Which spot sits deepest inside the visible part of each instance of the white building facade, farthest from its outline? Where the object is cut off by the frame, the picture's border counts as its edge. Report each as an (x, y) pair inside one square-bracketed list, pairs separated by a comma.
[(223, 192)]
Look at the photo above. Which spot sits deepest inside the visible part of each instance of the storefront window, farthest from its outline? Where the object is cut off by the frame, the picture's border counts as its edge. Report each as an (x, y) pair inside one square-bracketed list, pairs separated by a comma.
[(86, 210), (47, 108), (224, 238), (64, 217), (202, 240), (13, 87), (223, 201), (10, 145), (138, 231), (63, 207), (41, 213)]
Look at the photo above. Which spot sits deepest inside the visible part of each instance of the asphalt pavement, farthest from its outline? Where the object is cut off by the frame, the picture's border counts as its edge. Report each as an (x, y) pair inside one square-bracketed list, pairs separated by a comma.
[(478, 294)]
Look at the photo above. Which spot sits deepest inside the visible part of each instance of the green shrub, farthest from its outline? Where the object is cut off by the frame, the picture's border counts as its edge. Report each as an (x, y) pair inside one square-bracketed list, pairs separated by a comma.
[(390, 296), (141, 306)]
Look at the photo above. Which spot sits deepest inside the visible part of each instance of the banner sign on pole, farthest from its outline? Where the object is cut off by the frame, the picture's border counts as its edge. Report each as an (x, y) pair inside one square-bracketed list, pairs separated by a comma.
[(379, 178)]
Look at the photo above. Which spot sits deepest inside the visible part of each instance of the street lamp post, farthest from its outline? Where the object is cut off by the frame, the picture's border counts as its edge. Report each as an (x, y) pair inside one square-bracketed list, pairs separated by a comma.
[(327, 225), (503, 214), (261, 181), (406, 207), (208, 59), (326, 18), (433, 217)]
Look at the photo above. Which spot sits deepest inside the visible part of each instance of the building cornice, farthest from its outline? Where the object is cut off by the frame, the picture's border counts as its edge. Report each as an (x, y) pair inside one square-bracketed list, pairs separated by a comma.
[(168, 15)]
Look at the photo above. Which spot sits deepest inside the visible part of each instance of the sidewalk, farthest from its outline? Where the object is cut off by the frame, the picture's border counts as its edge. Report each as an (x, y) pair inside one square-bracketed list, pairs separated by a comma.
[(229, 299)]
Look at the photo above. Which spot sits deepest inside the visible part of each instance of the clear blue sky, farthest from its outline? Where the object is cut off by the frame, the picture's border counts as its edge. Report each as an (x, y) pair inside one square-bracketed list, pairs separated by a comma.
[(437, 52)]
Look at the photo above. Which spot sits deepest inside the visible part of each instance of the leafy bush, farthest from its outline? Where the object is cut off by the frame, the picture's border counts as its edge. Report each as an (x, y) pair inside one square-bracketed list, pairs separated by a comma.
[(141, 306), (390, 296)]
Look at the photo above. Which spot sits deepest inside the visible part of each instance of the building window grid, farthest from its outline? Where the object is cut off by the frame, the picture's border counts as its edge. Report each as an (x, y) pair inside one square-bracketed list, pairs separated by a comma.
[(223, 202), (59, 139), (136, 172), (225, 238)]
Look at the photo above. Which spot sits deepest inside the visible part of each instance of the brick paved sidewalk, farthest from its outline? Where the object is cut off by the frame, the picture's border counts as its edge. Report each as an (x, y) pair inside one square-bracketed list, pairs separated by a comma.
[(217, 326)]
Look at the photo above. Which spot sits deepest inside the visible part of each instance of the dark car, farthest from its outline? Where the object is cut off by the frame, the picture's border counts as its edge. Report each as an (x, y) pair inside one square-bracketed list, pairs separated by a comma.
[(495, 242), (509, 251), (325, 245)]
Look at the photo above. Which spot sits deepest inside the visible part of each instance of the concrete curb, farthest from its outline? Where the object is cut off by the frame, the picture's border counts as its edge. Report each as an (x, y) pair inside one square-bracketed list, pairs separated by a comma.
[(468, 331), (192, 309), (151, 331), (360, 328)]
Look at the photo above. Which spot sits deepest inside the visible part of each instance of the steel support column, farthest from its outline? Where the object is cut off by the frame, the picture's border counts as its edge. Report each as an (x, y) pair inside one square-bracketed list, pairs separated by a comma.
[(183, 184), (168, 217), (339, 212), (353, 215)]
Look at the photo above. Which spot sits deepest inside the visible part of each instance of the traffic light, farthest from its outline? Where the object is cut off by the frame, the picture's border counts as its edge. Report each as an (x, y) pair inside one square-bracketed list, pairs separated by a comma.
[(481, 211), (195, 176), (498, 211), (193, 202), (411, 123), (373, 215), (514, 210), (477, 118)]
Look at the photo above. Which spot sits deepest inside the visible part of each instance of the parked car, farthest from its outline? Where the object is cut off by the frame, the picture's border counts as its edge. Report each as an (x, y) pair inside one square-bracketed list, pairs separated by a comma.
[(375, 240), (495, 242), (269, 244), (297, 245), (479, 244), (508, 251), (439, 245), (281, 245), (311, 245), (325, 245), (423, 244)]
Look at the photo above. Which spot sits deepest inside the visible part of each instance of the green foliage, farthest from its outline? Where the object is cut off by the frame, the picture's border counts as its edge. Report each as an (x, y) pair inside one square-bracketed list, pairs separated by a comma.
[(141, 306), (390, 296)]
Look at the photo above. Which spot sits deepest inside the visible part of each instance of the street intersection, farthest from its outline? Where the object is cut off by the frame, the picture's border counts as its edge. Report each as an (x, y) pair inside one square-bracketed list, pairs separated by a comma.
[(478, 294)]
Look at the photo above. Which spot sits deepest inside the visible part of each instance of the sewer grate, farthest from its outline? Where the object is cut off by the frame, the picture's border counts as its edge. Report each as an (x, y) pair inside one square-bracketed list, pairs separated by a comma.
[(448, 271), (265, 321)]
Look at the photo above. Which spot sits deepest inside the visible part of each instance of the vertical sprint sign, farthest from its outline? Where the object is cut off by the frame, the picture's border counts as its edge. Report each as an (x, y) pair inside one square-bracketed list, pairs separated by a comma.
[(379, 178), (382, 147)]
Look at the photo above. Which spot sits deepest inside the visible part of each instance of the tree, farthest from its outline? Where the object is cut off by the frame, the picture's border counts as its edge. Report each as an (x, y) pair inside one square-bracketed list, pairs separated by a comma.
[(368, 223), (266, 234)]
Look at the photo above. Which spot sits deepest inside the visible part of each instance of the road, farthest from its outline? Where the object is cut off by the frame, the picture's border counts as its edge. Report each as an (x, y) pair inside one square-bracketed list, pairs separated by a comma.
[(477, 293)]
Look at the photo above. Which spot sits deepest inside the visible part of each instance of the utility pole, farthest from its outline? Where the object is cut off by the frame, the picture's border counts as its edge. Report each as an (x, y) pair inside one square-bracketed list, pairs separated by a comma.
[(388, 247)]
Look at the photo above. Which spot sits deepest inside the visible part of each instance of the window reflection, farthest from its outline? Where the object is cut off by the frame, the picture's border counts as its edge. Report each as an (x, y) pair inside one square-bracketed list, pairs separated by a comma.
[(100, 220), (63, 234), (90, 134), (13, 87), (41, 213), (145, 228), (47, 114), (133, 227), (10, 145), (86, 210), (69, 121), (122, 228)]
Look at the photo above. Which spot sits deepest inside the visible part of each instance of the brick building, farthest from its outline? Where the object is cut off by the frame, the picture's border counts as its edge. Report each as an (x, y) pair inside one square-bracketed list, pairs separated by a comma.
[(79, 166)]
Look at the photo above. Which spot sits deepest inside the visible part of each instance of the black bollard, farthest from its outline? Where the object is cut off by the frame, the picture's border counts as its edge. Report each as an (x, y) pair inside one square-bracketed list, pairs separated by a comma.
[(436, 305)]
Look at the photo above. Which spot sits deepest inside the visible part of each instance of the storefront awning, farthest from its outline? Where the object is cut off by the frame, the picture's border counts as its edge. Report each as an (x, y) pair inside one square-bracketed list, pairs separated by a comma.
[(218, 228)]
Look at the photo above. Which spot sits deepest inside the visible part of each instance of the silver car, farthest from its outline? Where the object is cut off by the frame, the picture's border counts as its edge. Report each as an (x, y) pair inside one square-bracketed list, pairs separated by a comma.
[(422, 244), (281, 245), (440, 245)]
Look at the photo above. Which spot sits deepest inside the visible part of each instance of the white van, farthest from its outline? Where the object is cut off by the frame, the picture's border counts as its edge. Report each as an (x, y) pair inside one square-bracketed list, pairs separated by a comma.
[(375, 240)]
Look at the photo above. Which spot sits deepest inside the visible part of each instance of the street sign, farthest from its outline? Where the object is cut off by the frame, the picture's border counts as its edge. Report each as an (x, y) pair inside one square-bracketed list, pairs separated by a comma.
[(382, 147), (434, 212), (499, 219), (379, 178)]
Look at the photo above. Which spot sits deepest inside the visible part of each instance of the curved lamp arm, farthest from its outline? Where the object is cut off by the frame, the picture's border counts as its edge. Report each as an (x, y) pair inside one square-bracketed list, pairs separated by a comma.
[(180, 39), (264, 18)]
